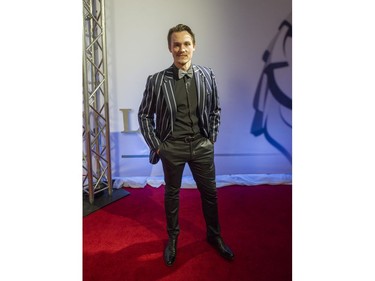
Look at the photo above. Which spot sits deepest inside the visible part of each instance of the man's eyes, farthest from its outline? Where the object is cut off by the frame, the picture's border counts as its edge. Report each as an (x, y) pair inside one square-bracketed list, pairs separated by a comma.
[(186, 44)]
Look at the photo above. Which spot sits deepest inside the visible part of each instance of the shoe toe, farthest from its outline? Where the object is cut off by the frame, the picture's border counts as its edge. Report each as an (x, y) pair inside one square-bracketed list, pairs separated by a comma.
[(221, 247)]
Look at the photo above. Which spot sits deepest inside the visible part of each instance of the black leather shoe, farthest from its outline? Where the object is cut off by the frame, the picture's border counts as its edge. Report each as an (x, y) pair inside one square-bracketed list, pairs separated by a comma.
[(170, 251), (221, 247)]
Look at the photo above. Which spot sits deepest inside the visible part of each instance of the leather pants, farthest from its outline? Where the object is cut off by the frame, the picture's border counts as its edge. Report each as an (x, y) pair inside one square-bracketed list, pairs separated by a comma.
[(199, 154)]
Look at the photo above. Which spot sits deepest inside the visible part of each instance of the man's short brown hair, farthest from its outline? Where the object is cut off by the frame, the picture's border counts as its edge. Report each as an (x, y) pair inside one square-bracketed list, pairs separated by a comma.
[(178, 28)]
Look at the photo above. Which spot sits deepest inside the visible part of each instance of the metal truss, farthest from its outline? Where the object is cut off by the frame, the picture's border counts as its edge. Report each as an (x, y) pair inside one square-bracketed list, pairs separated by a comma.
[(96, 134)]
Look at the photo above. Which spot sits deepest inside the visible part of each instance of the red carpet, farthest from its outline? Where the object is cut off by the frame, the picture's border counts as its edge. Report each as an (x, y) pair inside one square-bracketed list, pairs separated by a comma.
[(124, 241)]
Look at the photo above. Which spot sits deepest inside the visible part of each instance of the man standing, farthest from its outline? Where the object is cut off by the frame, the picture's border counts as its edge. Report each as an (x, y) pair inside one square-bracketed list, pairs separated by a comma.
[(179, 117)]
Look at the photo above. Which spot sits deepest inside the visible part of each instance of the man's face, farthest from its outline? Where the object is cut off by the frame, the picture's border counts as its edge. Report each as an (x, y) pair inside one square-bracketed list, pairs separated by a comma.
[(182, 49)]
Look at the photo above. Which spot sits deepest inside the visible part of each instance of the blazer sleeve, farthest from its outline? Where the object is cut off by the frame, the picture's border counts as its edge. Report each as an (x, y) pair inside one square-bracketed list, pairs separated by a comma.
[(214, 114), (146, 116)]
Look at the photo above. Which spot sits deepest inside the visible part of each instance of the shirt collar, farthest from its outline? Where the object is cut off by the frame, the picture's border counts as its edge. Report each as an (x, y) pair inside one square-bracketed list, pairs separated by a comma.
[(179, 73)]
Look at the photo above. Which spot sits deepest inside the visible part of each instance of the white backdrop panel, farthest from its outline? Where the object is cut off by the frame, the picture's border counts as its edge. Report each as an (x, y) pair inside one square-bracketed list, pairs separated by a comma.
[(232, 37)]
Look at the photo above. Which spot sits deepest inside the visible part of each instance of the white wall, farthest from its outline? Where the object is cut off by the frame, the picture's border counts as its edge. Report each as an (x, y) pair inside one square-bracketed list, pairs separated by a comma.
[(231, 38)]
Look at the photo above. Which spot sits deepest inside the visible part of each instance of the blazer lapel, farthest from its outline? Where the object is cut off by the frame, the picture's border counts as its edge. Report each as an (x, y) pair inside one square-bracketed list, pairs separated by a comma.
[(200, 83), (168, 90)]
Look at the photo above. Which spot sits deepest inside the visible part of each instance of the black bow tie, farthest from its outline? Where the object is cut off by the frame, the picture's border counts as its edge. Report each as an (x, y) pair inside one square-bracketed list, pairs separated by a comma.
[(182, 73)]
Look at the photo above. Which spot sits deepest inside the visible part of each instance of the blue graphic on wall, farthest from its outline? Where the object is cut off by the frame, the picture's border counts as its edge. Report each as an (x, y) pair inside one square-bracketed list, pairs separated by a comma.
[(273, 96)]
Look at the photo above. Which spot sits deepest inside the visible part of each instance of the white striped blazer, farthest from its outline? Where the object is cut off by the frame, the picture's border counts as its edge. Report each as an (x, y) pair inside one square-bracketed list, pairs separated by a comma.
[(157, 111)]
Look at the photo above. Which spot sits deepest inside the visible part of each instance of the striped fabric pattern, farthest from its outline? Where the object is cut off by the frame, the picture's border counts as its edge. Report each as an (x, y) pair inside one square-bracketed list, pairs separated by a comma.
[(157, 111)]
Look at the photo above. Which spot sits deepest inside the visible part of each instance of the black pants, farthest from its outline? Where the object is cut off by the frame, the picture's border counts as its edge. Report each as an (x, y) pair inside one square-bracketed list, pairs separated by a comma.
[(199, 154)]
